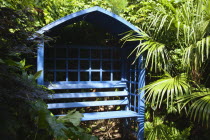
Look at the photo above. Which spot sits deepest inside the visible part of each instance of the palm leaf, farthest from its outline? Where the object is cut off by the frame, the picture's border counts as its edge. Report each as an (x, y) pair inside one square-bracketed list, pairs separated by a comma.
[(168, 88), (196, 54), (199, 102), (156, 53)]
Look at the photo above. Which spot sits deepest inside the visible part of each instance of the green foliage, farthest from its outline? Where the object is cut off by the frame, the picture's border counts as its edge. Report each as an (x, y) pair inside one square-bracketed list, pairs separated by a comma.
[(44, 120), (118, 6), (199, 109), (47, 11), (157, 54), (62, 128), (174, 39), (157, 130), (26, 114), (15, 30), (73, 117), (167, 88)]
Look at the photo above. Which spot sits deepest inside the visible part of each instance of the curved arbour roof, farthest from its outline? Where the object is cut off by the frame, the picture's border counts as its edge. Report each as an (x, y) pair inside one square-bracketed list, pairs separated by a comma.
[(96, 16)]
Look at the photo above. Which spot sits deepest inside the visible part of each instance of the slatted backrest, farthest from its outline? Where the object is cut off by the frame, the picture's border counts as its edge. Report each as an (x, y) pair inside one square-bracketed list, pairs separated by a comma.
[(83, 63), (86, 85), (79, 67), (87, 94), (119, 97), (113, 93)]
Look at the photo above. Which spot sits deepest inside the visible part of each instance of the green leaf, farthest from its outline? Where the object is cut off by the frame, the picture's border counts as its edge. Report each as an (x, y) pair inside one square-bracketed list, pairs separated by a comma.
[(28, 66), (37, 74), (48, 122), (12, 63), (73, 117), (1, 61), (23, 62), (168, 88), (155, 52), (199, 105)]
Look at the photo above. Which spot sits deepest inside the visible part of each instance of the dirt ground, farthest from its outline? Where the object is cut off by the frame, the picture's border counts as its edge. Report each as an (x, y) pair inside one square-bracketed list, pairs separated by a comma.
[(112, 129)]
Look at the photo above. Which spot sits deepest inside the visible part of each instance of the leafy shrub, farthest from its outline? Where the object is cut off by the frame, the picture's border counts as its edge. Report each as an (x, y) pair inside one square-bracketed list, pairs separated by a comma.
[(25, 114)]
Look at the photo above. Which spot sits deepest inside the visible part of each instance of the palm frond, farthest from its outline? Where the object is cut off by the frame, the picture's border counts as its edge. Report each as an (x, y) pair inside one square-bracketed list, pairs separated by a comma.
[(159, 23), (196, 54), (156, 53), (168, 88), (199, 102)]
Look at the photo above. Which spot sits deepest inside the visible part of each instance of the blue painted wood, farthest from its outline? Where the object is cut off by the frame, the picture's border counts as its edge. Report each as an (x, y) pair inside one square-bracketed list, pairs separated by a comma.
[(103, 18), (92, 59), (135, 107), (107, 115), (75, 70), (40, 62), (141, 103), (87, 104), (86, 84), (79, 65), (135, 88), (101, 57), (67, 64), (90, 63), (88, 94), (87, 47), (55, 65), (136, 82), (129, 88), (123, 62), (112, 67), (115, 25)]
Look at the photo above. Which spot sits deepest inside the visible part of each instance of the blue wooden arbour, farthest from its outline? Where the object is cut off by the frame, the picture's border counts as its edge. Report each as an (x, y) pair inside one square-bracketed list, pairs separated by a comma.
[(132, 77)]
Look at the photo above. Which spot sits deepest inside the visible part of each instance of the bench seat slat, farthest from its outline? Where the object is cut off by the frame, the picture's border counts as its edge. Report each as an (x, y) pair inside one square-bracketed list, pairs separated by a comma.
[(87, 104), (86, 85), (87, 94), (107, 115)]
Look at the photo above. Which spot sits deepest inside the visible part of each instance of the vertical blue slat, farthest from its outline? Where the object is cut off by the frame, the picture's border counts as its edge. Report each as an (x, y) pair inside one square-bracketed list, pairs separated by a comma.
[(79, 64), (141, 83), (67, 65), (123, 60), (90, 57), (55, 74), (135, 88), (40, 62), (111, 75), (101, 57), (130, 80)]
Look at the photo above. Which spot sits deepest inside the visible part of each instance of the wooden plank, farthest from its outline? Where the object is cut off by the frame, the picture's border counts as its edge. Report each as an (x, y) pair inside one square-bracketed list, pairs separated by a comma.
[(86, 84), (92, 59), (75, 70), (87, 47), (87, 104), (40, 62), (87, 94), (107, 115)]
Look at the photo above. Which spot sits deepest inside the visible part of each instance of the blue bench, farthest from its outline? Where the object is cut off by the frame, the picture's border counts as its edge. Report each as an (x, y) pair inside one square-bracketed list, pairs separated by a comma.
[(98, 85)]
